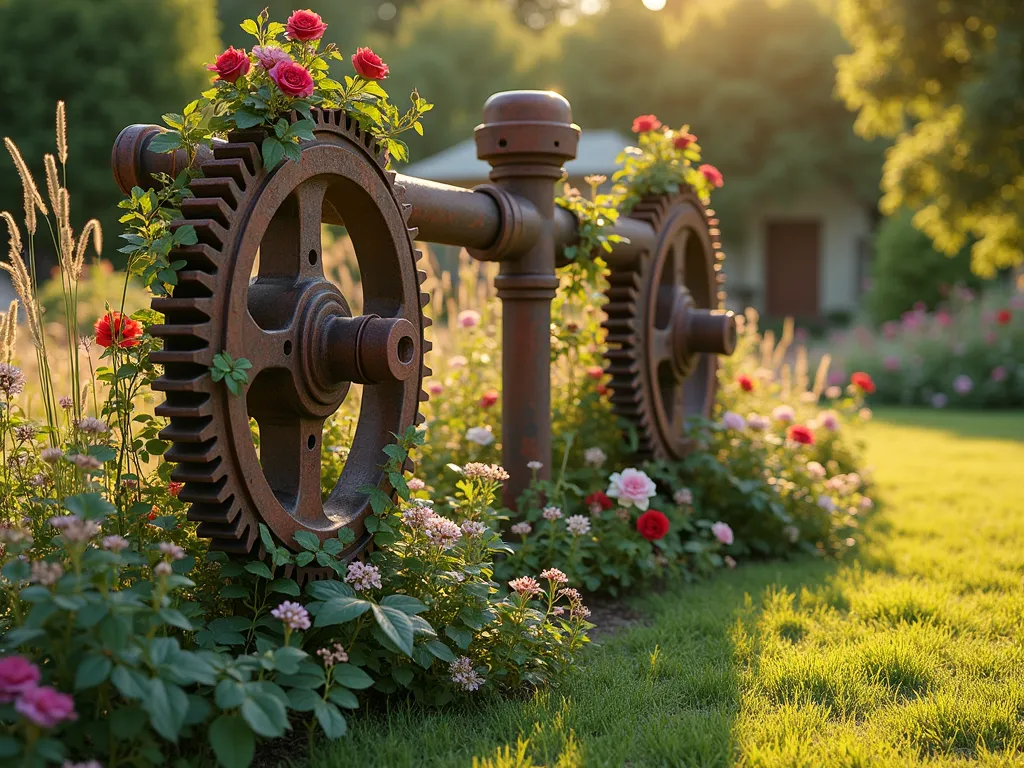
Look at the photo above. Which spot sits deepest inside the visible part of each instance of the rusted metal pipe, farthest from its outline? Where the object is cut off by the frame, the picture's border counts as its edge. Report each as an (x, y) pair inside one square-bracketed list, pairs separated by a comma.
[(527, 136)]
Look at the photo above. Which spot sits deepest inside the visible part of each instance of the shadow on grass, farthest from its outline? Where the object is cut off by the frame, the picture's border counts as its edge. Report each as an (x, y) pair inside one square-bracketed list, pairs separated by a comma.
[(665, 693)]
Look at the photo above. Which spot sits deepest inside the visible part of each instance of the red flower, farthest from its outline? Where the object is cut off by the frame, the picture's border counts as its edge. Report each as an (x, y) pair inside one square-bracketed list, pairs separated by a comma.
[(712, 174), (369, 65), (152, 514), (800, 434), (230, 65), (115, 328), (646, 123), (652, 525), (174, 488), (600, 500), (746, 383), (292, 79), (604, 389), (1003, 316), (863, 382), (490, 398), (683, 140), (305, 25), (595, 372)]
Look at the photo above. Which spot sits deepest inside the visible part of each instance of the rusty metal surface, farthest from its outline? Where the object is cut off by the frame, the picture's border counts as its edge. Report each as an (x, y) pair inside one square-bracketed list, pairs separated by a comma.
[(527, 136), (295, 327), (664, 326)]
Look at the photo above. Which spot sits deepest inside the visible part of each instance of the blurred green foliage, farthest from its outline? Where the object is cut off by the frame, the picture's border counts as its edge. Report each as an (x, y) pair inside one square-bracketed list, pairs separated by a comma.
[(115, 62), (946, 78), (908, 270)]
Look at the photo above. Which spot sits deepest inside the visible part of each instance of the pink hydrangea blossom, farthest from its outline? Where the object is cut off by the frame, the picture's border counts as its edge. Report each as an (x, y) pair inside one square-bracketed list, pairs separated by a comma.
[(578, 525), (555, 575), (294, 615), (722, 532), (962, 384), (525, 585), (363, 576), (632, 487), (521, 529), (735, 422), (46, 706), (17, 675), (552, 513)]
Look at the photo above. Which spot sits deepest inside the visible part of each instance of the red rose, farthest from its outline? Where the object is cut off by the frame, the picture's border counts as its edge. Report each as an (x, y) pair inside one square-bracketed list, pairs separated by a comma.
[(115, 328), (683, 140), (746, 383), (798, 433), (595, 372), (174, 488), (152, 514), (292, 79), (599, 500), (490, 398), (712, 174), (646, 123), (369, 65), (652, 525), (863, 382), (1003, 316), (305, 25), (230, 65), (604, 389)]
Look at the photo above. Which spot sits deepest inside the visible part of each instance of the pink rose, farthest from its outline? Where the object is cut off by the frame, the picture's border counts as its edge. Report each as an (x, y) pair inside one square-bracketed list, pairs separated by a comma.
[(722, 532), (712, 174), (46, 706), (292, 79), (631, 487), (230, 65), (305, 25), (17, 675), (369, 65), (269, 57)]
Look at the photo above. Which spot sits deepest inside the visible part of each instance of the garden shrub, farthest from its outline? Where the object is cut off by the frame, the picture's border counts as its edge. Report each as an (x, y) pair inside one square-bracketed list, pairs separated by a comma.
[(907, 271)]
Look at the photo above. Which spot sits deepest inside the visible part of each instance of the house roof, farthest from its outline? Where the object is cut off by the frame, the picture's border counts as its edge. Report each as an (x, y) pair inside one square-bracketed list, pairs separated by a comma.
[(596, 154)]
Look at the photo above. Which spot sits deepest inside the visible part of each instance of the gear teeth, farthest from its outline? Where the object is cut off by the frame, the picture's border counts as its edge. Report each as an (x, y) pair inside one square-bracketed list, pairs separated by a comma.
[(427, 346), (420, 418), (407, 212), (232, 168), (224, 188), (424, 299)]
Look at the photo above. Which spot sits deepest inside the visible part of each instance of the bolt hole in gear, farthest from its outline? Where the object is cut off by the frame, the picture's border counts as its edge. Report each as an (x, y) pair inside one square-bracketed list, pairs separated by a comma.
[(296, 328), (665, 326)]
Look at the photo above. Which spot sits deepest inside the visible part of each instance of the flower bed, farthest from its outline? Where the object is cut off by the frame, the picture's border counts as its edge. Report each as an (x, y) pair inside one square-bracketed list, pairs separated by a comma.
[(966, 354), (125, 641)]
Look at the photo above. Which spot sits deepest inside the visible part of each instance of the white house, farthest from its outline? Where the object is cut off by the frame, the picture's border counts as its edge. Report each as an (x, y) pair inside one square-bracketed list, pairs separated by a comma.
[(806, 258)]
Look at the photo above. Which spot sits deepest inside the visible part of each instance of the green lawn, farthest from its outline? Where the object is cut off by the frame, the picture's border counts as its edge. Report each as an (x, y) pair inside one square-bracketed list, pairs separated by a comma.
[(910, 654)]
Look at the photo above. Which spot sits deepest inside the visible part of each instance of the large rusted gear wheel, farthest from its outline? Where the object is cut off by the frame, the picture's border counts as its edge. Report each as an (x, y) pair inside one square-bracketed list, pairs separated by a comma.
[(665, 327), (296, 328)]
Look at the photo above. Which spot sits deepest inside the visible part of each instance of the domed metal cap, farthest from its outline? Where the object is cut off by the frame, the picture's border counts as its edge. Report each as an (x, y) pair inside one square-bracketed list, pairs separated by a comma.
[(527, 128)]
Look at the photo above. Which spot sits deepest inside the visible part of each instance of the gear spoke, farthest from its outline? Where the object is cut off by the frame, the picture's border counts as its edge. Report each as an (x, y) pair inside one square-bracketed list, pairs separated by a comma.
[(290, 455), (678, 265), (661, 345), (267, 348), (291, 247)]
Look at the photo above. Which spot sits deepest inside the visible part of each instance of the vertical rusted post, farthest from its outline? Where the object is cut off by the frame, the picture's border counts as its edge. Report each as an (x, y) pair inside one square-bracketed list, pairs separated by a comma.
[(526, 136)]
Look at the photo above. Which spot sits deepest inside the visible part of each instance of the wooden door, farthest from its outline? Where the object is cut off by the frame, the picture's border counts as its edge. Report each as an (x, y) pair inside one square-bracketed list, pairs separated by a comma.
[(792, 268)]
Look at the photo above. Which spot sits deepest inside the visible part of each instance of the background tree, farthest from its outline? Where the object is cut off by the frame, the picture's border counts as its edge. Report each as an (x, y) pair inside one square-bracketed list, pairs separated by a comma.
[(946, 78), (456, 53), (753, 79), (115, 62)]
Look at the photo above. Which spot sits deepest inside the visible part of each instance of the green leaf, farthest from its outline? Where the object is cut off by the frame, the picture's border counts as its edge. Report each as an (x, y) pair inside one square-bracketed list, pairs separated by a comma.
[(89, 506), (328, 590), (168, 141), (234, 591), (403, 676), (302, 699), (304, 558), (330, 719), (339, 610), (259, 569), (303, 129), (250, 26), (396, 626), (175, 618), (92, 670), (440, 650), (265, 714), (167, 706), (245, 119), (307, 540), (352, 677), (130, 683), (273, 151), (285, 587), (232, 742), (343, 697), (405, 603), (8, 747), (462, 637), (228, 694)]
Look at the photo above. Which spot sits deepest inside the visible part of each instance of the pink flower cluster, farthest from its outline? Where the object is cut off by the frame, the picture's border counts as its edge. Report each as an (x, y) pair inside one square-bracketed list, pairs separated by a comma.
[(45, 706)]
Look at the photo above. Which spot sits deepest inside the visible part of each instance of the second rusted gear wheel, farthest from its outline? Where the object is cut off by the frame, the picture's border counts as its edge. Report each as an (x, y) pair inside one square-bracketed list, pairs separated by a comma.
[(254, 286), (665, 326)]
